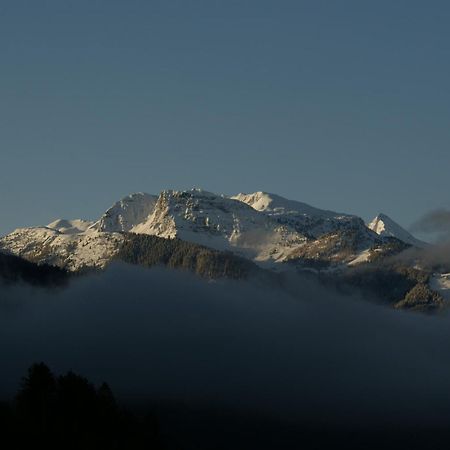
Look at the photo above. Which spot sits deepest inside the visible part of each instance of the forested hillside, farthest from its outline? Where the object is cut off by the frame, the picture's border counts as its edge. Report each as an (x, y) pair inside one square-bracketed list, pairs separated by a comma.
[(151, 251)]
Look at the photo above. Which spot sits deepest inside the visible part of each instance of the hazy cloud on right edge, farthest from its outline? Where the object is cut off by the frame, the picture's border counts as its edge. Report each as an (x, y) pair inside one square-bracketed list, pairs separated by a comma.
[(434, 223)]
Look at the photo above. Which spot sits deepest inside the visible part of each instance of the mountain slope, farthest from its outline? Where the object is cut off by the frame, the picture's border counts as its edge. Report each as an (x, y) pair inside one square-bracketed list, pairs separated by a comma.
[(384, 226), (305, 219), (349, 246), (126, 213)]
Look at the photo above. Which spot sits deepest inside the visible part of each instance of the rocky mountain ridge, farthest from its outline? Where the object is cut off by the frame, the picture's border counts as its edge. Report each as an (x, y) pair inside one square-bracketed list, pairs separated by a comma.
[(262, 227)]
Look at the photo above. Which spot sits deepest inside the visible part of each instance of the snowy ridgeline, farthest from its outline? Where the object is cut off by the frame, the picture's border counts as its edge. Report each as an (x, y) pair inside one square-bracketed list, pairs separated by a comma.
[(263, 227)]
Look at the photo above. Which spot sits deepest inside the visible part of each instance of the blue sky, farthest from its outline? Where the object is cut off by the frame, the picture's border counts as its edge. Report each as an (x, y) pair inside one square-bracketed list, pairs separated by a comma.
[(344, 105)]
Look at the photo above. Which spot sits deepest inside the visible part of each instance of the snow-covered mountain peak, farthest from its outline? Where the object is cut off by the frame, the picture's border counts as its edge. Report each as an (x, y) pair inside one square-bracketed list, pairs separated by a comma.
[(65, 226), (126, 213), (275, 204), (220, 222), (194, 193), (305, 219), (384, 226)]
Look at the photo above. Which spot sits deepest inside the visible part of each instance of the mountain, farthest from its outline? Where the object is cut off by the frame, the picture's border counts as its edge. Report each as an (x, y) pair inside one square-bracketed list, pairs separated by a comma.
[(261, 227), (204, 218), (218, 236), (384, 226), (195, 216)]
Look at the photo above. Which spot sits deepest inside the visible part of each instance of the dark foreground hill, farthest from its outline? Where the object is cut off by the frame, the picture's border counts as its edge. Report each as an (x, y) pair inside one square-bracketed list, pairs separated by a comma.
[(14, 269), (69, 412)]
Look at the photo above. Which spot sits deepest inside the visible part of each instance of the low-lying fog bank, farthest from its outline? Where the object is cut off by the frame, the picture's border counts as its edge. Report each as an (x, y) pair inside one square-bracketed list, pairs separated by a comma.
[(156, 334)]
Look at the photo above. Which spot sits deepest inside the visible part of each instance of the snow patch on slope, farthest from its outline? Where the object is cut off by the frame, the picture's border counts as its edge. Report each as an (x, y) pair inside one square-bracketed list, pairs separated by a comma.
[(361, 258)]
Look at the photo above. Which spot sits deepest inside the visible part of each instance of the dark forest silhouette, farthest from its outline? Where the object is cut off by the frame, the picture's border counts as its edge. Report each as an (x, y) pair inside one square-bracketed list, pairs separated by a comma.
[(69, 412), (14, 269)]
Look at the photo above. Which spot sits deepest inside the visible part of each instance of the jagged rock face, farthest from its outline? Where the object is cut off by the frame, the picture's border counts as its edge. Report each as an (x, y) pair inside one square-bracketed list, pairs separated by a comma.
[(126, 213), (219, 222)]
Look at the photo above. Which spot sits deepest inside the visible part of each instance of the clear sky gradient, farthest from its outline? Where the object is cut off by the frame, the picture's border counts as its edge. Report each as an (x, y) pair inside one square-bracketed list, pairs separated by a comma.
[(344, 105)]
